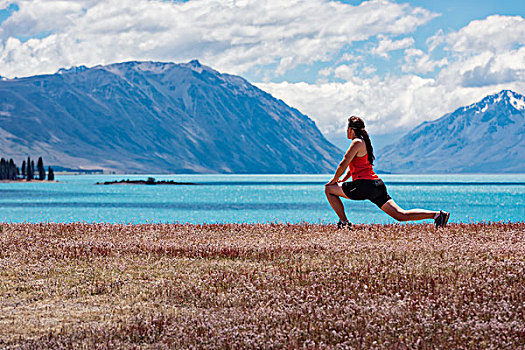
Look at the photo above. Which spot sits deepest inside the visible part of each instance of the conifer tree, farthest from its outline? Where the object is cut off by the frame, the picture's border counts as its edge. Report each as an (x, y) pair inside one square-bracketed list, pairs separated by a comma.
[(24, 169), (28, 171), (7, 169), (12, 169), (3, 169), (28, 168), (50, 174), (41, 169)]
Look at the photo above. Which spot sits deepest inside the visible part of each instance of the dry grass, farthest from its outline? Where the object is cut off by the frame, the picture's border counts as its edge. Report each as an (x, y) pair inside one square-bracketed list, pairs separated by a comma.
[(262, 286)]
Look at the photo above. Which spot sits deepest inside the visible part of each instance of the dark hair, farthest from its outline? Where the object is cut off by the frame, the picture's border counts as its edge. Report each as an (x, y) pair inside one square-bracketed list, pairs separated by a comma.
[(358, 125)]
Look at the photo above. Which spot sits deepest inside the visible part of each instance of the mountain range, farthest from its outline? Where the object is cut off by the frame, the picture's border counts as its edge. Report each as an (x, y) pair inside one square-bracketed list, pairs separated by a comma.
[(154, 117), (484, 137)]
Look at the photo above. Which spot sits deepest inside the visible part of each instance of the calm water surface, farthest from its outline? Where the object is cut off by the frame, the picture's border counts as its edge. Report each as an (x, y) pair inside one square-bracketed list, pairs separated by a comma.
[(254, 198)]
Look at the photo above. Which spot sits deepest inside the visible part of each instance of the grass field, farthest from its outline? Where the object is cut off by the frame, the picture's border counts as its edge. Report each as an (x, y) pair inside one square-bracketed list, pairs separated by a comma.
[(262, 286)]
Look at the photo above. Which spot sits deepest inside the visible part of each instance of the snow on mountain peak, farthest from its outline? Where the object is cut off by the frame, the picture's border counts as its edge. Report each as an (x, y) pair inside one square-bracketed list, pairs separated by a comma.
[(513, 98), (505, 96), (517, 102)]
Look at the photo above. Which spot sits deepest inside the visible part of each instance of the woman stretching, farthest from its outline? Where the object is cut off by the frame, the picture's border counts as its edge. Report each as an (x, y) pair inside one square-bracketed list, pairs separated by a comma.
[(366, 184)]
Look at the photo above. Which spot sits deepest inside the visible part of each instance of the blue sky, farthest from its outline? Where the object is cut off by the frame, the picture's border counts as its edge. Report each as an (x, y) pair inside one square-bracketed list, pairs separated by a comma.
[(395, 63)]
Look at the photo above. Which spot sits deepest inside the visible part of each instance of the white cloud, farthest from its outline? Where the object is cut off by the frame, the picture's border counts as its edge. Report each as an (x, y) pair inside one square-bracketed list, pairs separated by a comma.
[(229, 35), (369, 70), (326, 71), (346, 71), (487, 69), (435, 40), (41, 16), (386, 104), (495, 33), (486, 52), (417, 61), (386, 45), (352, 71), (5, 3)]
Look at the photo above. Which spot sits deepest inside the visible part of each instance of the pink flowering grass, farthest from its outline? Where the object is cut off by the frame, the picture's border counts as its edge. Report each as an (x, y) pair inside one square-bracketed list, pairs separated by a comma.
[(157, 286)]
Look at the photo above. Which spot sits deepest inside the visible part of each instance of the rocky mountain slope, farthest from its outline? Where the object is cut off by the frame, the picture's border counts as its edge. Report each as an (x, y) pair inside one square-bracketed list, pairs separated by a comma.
[(152, 117), (485, 137)]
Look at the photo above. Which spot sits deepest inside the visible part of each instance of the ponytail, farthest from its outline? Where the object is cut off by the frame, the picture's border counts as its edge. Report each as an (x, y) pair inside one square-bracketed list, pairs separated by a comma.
[(358, 125), (369, 149)]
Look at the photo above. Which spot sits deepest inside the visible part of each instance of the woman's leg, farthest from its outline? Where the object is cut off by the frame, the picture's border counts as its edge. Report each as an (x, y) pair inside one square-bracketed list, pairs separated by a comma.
[(398, 213), (333, 192)]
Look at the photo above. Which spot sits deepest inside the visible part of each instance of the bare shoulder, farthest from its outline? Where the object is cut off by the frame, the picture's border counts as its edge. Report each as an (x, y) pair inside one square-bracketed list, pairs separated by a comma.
[(358, 147), (358, 144)]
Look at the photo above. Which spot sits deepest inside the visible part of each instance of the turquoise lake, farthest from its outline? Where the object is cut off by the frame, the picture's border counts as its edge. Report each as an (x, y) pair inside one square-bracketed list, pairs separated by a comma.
[(254, 198)]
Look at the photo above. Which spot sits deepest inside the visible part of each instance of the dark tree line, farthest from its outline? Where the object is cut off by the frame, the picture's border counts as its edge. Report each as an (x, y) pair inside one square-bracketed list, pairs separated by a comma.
[(10, 171)]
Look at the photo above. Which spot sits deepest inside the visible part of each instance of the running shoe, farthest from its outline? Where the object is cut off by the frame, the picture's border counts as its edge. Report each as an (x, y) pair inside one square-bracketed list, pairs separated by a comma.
[(442, 219), (341, 225)]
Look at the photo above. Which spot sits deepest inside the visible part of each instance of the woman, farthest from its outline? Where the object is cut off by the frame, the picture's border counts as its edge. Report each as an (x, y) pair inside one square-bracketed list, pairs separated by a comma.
[(366, 184)]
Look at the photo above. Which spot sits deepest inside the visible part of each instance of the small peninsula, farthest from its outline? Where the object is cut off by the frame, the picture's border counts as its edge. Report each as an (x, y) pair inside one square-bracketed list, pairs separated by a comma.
[(149, 181)]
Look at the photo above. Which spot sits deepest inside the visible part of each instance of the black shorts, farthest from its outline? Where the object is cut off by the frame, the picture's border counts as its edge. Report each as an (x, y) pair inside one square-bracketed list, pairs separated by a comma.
[(373, 190)]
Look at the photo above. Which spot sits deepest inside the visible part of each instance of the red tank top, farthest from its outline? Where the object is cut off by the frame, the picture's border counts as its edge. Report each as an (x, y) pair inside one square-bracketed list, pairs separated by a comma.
[(360, 168)]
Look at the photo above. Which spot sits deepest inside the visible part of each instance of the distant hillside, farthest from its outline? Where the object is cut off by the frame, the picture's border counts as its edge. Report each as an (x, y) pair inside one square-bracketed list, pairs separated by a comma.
[(485, 137), (152, 117)]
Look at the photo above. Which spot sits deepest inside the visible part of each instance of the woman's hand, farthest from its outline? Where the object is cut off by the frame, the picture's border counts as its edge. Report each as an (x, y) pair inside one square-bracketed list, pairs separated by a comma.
[(332, 182)]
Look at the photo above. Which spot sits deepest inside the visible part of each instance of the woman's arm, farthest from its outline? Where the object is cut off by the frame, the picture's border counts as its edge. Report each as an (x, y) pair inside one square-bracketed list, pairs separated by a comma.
[(347, 176), (343, 165)]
